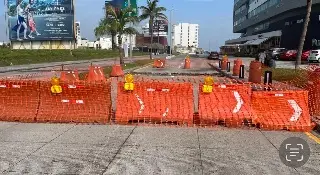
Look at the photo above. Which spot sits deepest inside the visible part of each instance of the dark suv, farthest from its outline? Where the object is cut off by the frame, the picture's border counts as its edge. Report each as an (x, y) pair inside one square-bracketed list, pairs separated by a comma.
[(275, 53), (213, 56)]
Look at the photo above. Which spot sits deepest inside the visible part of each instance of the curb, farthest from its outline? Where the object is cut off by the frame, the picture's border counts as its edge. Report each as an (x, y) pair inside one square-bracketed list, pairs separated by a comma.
[(58, 64), (137, 68)]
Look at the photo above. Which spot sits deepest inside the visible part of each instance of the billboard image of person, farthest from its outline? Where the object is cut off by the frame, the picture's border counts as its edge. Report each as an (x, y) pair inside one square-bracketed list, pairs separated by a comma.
[(41, 20)]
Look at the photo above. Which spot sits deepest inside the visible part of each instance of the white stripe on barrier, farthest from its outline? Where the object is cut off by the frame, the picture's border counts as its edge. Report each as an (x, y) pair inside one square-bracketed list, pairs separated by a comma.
[(279, 95), (222, 86), (15, 86), (165, 90), (141, 103), (239, 102), (72, 86), (65, 101), (297, 110), (3, 86)]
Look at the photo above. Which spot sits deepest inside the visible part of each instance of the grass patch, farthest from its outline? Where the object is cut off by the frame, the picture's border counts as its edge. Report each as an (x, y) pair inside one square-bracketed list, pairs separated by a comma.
[(107, 70), (298, 78), (19, 57)]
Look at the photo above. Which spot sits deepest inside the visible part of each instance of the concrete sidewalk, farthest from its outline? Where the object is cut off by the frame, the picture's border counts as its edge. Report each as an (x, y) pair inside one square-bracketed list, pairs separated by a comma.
[(111, 149)]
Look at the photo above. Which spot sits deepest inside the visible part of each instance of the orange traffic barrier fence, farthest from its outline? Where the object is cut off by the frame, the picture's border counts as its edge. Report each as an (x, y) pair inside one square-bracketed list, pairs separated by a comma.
[(69, 76), (282, 110), (159, 63), (226, 104), (19, 100), (96, 74), (155, 102), (78, 102)]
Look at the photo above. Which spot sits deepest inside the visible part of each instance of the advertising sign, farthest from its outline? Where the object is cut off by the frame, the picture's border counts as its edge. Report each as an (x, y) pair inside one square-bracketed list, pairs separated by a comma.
[(160, 26), (117, 4), (36, 20)]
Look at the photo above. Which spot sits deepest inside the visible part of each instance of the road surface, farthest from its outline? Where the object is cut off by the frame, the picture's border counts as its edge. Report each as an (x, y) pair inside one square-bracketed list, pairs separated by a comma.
[(99, 149)]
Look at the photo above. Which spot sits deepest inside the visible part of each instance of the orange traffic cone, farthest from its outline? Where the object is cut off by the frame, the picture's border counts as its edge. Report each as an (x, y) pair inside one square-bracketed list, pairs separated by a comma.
[(95, 74), (117, 71), (69, 76)]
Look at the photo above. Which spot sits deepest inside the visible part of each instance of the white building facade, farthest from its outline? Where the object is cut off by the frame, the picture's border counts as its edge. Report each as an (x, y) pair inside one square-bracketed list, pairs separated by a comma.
[(186, 35)]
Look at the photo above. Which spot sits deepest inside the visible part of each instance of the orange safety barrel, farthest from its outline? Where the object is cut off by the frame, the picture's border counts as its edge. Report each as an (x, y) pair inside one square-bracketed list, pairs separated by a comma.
[(224, 63), (255, 72), (236, 67)]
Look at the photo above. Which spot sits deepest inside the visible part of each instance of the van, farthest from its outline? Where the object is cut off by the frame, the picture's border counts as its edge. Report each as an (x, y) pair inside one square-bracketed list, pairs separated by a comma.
[(314, 56)]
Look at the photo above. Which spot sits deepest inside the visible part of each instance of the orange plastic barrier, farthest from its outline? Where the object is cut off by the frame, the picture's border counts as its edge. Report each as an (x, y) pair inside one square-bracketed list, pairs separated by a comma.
[(69, 76), (227, 104), (159, 63), (96, 74), (224, 63), (155, 102), (19, 100), (236, 67), (282, 110), (78, 102)]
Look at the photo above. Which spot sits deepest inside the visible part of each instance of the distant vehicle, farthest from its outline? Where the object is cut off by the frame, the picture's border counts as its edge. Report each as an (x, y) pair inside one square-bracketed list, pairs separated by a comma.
[(213, 56), (314, 56), (288, 55), (292, 55), (275, 53)]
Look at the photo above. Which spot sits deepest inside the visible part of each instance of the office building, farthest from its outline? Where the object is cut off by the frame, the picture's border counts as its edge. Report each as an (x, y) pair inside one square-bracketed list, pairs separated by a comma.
[(186, 35), (273, 23)]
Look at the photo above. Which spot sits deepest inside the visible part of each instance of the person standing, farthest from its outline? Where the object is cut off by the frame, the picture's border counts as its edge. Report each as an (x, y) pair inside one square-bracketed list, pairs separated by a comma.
[(31, 22), (21, 23)]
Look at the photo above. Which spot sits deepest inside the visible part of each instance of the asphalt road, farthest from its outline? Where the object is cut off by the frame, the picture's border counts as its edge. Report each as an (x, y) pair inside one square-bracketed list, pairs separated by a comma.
[(99, 149)]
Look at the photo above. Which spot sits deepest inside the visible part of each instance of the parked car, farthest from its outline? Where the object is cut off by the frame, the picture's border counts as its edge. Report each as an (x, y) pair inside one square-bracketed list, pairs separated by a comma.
[(213, 56), (275, 53), (292, 55), (288, 55), (314, 56)]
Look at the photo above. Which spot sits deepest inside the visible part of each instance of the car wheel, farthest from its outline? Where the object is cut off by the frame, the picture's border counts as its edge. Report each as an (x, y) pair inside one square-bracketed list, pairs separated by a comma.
[(276, 57)]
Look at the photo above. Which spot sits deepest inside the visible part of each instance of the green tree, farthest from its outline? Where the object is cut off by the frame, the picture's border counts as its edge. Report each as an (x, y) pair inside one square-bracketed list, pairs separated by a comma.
[(304, 33), (120, 20), (152, 12), (107, 27)]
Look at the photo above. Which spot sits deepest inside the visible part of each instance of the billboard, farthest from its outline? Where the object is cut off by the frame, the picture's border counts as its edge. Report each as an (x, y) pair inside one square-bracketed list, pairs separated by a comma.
[(39, 20), (121, 4), (160, 26)]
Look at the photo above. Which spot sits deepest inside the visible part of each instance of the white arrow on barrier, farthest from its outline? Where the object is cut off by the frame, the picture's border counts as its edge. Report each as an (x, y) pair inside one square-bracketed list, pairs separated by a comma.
[(161, 64), (165, 114), (141, 103), (239, 102), (297, 111)]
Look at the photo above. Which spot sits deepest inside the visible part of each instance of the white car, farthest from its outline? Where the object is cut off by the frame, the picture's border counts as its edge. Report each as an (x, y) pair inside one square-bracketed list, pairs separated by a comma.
[(314, 56)]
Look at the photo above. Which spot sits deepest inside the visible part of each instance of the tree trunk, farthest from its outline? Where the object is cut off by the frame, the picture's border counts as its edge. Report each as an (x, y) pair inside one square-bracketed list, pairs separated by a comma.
[(304, 33), (151, 36), (120, 49), (113, 42)]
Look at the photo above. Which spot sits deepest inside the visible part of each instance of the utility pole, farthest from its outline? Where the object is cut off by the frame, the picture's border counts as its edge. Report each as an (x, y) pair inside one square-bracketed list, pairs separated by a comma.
[(130, 36), (171, 32)]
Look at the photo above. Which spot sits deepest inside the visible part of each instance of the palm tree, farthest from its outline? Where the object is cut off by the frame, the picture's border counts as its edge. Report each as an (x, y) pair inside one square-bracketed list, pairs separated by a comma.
[(152, 12), (304, 33), (119, 20), (106, 27)]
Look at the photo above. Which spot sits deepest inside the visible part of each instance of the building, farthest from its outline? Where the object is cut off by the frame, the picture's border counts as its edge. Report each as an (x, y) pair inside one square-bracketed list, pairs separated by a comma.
[(160, 32), (78, 34), (186, 35), (106, 42), (274, 23)]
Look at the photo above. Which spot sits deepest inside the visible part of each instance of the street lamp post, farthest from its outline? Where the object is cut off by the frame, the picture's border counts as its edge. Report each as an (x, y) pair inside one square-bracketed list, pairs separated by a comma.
[(171, 38), (130, 36)]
